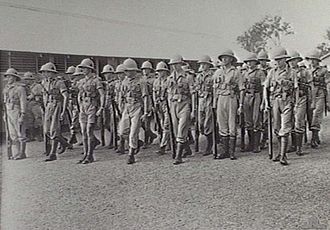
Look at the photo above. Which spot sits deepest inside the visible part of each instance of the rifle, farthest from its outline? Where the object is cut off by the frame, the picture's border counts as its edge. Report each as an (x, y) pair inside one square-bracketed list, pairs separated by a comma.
[(197, 125), (114, 123), (8, 141), (242, 127), (173, 141), (270, 127), (156, 117), (215, 130), (325, 102), (102, 129)]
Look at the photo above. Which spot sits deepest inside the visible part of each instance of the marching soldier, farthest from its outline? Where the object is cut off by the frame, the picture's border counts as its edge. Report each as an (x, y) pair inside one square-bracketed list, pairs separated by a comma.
[(15, 110), (91, 99), (253, 79), (204, 87), (280, 83), (149, 79), (302, 96), (160, 97), (264, 66), (135, 95), (55, 101), (228, 86), (319, 95), (180, 91)]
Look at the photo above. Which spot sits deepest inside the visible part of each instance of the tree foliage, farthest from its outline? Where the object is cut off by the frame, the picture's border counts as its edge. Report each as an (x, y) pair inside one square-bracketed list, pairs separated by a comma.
[(269, 29), (324, 47)]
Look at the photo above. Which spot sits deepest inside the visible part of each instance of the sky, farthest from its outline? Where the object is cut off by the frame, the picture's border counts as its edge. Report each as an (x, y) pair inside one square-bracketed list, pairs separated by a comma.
[(153, 28)]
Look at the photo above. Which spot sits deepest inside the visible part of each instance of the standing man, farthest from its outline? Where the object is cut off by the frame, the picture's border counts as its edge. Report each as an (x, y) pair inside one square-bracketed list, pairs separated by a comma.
[(91, 99), (319, 95), (55, 100), (180, 92), (149, 79), (253, 79), (160, 97), (204, 87), (280, 84), (135, 95), (15, 110), (228, 86), (302, 95)]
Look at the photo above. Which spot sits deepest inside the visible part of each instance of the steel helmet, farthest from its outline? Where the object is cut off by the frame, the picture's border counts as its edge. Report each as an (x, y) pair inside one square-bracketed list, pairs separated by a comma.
[(161, 66), (177, 59), (146, 65), (108, 69), (280, 53), (315, 54), (120, 69), (78, 71), (205, 59), (50, 67), (294, 55), (130, 65), (263, 56), (87, 63), (228, 53), (251, 57), (28, 76), (12, 72), (70, 70)]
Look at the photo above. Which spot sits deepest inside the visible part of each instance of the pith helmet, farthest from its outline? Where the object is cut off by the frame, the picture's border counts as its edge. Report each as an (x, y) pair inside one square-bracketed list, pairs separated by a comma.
[(12, 72), (130, 65), (70, 70), (146, 65), (50, 67), (280, 53), (228, 53), (205, 59), (78, 71), (161, 66), (87, 63), (263, 56), (28, 76), (107, 69), (176, 60), (315, 54), (251, 57), (120, 69), (294, 55)]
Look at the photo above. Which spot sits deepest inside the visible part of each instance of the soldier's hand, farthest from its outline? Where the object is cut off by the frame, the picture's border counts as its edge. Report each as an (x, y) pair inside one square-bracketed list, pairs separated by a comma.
[(240, 110), (99, 112), (62, 116), (192, 116)]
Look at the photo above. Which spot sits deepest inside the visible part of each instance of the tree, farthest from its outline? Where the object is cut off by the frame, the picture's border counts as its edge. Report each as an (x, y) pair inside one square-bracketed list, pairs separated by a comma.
[(269, 29), (324, 47)]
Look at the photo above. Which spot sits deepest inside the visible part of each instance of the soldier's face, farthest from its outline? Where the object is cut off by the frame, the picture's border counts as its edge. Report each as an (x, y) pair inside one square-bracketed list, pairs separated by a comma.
[(86, 71), (108, 76), (205, 66), (177, 67), (121, 75), (146, 71), (11, 79), (252, 64), (226, 60), (162, 73), (47, 74), (281, 62), (294, 62), (130, 73)]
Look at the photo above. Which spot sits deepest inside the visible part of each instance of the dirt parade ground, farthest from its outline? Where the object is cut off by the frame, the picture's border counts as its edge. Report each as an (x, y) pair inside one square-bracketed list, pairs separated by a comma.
[(202, 193)]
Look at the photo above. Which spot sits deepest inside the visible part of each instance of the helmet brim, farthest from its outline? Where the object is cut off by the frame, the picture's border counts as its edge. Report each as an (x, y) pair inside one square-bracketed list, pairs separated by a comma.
[(293, 58), (227, 55), (85, 66), (311, 58), (247, 60)]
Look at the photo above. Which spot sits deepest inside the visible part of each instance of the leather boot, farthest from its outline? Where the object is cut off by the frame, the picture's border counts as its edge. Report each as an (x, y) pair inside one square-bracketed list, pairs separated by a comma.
[(187, 150), (152, 137), (178, 156), (85, 144), (9, 150), (251, 141), (39, 134), (47, 145), (278, 156), (64, 144), (223, 148), (232, 146), (263, 143), (22, 153), (243, 141), (73, 139), (191, 140), (314, 144), (299, 139), (293, 147), (110, 146), (121, 147), (209, 146), (131, 158), (90, 153), (161, 150), (257, 136), (52, 155), (317, 137), (284, 146), (89, 159), (17, 149)]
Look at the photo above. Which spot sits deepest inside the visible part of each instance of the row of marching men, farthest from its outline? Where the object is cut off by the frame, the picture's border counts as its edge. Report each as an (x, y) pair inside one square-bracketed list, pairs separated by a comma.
[(283, 100)]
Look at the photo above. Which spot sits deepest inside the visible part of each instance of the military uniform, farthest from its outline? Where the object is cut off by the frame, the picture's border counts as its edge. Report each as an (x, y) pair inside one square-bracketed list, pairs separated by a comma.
[(15, 105)]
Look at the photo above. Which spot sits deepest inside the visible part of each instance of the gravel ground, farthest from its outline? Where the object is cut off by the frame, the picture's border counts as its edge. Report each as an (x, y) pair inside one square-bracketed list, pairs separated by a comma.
[(250, 193)]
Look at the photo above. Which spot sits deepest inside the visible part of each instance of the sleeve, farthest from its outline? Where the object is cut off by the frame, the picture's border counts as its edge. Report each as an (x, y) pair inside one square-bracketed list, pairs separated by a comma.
[(61, 85), (240, 80), (144, 88), (23, 100), (98, 84), (268, 79)]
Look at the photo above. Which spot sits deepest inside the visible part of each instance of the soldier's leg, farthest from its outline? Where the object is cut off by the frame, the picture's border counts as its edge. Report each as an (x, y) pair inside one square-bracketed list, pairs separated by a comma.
[(316, 121), (22, 141), (286, 127), (91, 142), (37, 113), (208, 127), (257, 123), (12, 117), (55, 131), (74, 125), (135, 120), (223, 118), (123, 131), (277, 126), (165, 123), (83, 127), (233, 106), (300, 123), (248, 120)]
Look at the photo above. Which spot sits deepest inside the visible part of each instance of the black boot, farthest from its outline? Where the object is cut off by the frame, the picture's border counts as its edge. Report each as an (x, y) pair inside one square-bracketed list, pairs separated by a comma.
[(73, 139), (52, 155), (251, 141), (299, 139), (191, 140), (64, 144), (161, 150), (111, 146), (121, 147), (314, 143), (89, 159), (223, 148), (284, 146), (278, 156), (263, 143), (293, 147), (232, 146), (257, 136), (152, 137), (47, 145), (178, 156), (187, 150), (131, 158), (243, 147), (209, 146), (317, 137)]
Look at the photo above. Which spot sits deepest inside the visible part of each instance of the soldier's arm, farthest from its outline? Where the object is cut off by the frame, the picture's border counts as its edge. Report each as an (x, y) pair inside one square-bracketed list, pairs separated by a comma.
[(241, 86), (266, 86), (23, 100)]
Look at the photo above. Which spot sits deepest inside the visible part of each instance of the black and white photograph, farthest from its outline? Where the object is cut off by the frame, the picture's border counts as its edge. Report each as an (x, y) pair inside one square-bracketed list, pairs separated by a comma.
[(165, 115)]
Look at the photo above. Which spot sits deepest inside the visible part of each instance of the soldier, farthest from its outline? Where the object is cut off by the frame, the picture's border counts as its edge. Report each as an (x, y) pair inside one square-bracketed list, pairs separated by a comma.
[(264, 60), (148, 78), (15, 110), (110, 89), (280, 83), (55, 101), (228, 86), (35, 101), (302, 96), (204, 87), (91, 99), (74, 105), (160, 97), (319, 95), (253, 79), (180, 90), (135, 95)]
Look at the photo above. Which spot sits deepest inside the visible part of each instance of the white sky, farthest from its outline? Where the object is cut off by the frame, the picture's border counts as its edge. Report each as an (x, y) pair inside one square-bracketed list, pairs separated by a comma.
[(146, 28)]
